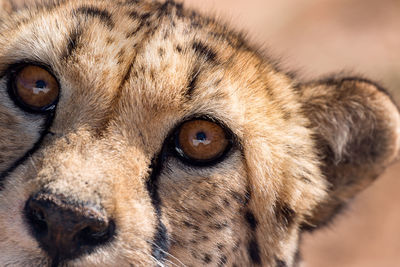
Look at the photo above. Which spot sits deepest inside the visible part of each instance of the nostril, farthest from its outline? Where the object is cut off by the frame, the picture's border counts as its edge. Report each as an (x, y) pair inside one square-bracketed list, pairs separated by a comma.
[(96, 233)]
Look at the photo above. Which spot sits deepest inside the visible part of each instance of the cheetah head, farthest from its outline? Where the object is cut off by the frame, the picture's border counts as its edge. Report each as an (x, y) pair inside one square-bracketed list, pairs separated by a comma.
[(138, 133)]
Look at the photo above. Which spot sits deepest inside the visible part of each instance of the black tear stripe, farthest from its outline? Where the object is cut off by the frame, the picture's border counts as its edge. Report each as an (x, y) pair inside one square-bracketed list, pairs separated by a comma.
[(254, 251), (103, 15), (161, 242), (45, 130), (253, 248)]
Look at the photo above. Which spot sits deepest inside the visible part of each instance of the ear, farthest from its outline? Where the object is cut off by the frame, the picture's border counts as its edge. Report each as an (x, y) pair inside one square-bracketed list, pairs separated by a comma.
[(357, 134)]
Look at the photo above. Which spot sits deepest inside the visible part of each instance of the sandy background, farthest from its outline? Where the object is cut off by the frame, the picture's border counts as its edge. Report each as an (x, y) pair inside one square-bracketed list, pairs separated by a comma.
[(318, 37)]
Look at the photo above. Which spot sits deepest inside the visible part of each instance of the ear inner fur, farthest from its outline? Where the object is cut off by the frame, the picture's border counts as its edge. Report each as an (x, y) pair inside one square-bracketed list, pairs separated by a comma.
[(355, 125)]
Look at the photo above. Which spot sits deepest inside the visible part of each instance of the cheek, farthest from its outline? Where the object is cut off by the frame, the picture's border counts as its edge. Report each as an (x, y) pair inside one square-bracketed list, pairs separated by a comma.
[(205, 210), (14, 231), (18, 134)]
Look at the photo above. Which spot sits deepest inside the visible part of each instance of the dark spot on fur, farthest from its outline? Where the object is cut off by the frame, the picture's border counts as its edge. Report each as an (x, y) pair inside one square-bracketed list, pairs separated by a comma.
[(280, 263), (110, 40), (218, 82), (194, 15), (103, 15), (251, 220), (216, 208), (227, 37), (306, 179), (192, 82), (236, 246), (222, 261), (285, 214), (206, 258), (145, 16), (206, 195), (204, 51), (220, 246), (195, 24), (73, 43), (190, 225), (205, 238), (120, 56), (166, 34), (254, 251), (226, 202), (178, 48), (169, 6), (208, 213), (133, 15), (143, 21), (179, 10), (287, 115), (242, 200), (219, 226), (152, 74), (194, 255)]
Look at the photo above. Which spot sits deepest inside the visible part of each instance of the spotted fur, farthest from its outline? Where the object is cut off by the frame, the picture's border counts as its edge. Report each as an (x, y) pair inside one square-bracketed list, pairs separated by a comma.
[(130, 72)]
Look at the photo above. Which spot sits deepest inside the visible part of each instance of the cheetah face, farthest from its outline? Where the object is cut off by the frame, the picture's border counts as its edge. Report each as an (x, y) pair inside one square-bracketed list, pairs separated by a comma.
[(138, 133)]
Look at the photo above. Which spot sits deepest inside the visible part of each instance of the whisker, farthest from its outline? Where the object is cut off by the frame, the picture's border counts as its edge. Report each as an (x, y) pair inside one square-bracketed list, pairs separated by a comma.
[(33, 164), (157, 261), (170, 255)]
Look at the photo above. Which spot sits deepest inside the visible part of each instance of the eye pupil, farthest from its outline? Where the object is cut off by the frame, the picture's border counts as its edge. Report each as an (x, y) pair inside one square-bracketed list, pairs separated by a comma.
[(201, 136), (41, 84)]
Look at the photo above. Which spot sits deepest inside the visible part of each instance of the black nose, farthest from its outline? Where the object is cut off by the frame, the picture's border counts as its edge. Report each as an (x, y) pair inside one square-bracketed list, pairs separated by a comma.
[(66, 230)]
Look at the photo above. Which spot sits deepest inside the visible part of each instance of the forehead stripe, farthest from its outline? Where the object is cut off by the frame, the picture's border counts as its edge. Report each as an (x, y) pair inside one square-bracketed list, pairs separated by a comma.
[(72, 43), (104, 16)]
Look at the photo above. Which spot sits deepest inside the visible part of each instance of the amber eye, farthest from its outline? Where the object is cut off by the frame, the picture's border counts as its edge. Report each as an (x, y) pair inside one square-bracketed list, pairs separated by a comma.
[(201, 141), (35, 88)]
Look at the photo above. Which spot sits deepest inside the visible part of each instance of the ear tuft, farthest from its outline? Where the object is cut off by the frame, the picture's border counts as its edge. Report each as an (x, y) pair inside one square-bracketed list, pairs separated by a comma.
[(356, 126)]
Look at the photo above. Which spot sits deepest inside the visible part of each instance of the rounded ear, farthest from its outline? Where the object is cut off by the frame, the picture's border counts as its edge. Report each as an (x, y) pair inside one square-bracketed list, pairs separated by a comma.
[(356, 128)]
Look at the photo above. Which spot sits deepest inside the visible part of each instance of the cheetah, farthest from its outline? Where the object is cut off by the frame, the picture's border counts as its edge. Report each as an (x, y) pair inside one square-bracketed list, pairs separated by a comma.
[(141, 133)]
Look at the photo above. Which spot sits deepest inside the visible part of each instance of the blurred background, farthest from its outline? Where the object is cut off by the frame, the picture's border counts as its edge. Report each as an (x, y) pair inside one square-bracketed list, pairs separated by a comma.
[(318, 37)]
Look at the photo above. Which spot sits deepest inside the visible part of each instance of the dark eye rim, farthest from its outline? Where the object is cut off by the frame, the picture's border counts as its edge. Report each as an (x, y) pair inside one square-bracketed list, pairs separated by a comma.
[(177, 152), (11, 74)]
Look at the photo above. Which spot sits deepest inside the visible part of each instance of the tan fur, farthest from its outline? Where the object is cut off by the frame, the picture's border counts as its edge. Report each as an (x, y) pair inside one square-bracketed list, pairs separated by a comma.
[(303, 149)]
